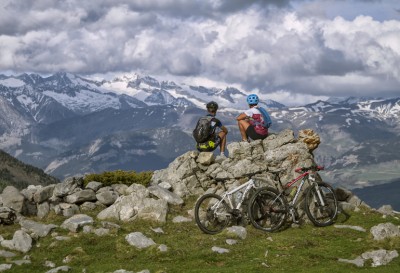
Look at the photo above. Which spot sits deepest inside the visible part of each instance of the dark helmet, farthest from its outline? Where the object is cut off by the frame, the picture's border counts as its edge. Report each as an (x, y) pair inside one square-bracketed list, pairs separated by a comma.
[(252, 99), (212, 105)]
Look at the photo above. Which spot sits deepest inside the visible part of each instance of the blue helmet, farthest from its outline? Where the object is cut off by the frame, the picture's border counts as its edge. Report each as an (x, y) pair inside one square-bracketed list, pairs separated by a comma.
[(252, 99)]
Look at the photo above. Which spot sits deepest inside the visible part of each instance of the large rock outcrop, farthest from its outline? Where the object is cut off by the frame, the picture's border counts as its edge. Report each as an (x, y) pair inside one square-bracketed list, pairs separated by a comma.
[(193, 173)]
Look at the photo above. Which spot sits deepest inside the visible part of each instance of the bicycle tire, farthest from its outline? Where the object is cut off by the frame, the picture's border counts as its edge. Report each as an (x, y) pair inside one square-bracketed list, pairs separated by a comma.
[(320, 215), (206, 218), (267, 209)]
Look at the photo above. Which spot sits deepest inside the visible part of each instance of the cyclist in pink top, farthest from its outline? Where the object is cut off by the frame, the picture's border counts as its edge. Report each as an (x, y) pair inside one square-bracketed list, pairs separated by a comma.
[(251, 121)]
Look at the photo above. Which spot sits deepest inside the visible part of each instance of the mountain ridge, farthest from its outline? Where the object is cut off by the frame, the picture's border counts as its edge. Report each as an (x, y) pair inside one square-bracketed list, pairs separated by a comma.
[(45, 120)]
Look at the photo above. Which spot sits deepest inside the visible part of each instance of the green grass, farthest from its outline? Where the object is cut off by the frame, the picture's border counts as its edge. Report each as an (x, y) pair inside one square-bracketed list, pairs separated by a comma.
[(304, 249)]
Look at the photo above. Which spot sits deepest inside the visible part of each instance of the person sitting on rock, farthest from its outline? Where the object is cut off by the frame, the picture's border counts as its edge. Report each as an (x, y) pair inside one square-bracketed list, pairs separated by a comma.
[(252, 122), (205, 133)]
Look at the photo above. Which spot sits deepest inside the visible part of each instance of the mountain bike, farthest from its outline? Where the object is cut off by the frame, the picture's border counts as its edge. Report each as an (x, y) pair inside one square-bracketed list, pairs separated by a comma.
[(214, 212), (269, 207)]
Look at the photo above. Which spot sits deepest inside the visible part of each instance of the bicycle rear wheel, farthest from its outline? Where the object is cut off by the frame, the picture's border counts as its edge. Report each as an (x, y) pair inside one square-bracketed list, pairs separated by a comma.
[(267, 209), (211, 215), (321, 208)]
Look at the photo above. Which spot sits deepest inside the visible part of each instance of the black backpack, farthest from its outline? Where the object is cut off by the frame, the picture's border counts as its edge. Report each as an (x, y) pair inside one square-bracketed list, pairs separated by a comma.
[(203, 129)]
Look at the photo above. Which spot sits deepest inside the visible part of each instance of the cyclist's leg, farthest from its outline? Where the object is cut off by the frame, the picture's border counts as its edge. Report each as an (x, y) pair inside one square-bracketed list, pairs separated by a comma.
[(243, 125), (251, 132), (221, 140)]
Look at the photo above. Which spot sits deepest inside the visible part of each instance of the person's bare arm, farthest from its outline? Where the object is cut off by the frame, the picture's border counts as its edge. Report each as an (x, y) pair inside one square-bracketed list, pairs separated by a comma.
[(242, 116)]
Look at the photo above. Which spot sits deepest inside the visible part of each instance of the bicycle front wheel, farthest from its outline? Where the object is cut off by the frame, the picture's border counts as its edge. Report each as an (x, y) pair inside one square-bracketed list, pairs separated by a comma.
[(267, 209), (211, 213), (321, 204)]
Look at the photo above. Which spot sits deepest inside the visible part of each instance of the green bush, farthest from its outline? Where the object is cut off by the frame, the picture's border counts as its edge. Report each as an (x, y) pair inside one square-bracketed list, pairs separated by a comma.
[(120, 177)]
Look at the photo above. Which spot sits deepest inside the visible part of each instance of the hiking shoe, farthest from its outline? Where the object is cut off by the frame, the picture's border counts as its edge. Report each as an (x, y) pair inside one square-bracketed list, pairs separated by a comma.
[(220, 158)]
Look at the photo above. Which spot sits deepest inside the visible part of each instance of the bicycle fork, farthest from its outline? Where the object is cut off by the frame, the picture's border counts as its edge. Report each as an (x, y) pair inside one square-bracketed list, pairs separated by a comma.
[(320, 199)]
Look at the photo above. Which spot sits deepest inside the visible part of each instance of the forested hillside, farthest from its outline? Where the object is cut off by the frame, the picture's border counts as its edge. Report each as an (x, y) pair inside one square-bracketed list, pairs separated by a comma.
[(21, 175)]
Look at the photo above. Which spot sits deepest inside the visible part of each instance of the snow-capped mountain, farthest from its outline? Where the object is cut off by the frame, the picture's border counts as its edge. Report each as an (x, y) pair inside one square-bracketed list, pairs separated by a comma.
[(67, 125), (359, 138)]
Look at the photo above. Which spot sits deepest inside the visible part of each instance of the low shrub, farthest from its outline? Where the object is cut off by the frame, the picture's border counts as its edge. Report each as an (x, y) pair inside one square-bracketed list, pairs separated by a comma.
[(120, 177)]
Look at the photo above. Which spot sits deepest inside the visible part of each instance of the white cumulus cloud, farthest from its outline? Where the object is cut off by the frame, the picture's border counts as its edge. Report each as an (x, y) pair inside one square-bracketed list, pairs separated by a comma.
[(293, 49)]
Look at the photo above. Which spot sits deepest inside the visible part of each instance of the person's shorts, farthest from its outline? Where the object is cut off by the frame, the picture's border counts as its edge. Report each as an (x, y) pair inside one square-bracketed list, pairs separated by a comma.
[(209, 145), (251, 133)]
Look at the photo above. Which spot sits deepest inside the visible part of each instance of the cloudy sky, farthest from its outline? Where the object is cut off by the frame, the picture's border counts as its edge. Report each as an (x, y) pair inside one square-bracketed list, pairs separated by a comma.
[(289, 50)]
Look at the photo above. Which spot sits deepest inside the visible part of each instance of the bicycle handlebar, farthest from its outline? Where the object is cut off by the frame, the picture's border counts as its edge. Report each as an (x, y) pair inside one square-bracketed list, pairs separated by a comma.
[(312, 168)]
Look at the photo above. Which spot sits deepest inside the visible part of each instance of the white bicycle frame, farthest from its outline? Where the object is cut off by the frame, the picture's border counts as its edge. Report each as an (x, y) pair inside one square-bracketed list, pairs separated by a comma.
[(229, 195)]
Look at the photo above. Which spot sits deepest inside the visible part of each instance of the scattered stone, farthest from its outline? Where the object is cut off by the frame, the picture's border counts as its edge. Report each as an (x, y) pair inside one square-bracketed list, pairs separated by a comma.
[(386, 210), (343, 194), (144, 271), (265, 265), (49, 264), (12, 198), (110, 225), (345, 206), (359, 262), (101, 231), (63, 268), (138, 240), (181, 219), (42, 230), (158, 230), (4, 267), (170, 197), (380, 257), (21, 262), (162, 248), (358, 228), (77, 221), (135, 205), (122, 271), (219, 250), (62, 238), (385, 230), (7, 254), (87, 229), (21, 242), (231, 241), (237, 231)]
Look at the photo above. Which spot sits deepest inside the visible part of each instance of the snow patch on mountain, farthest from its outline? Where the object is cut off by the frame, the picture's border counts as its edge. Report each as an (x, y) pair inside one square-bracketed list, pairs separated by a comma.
[(12, 82), (94, 147), (56, 164), (85, 101)]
